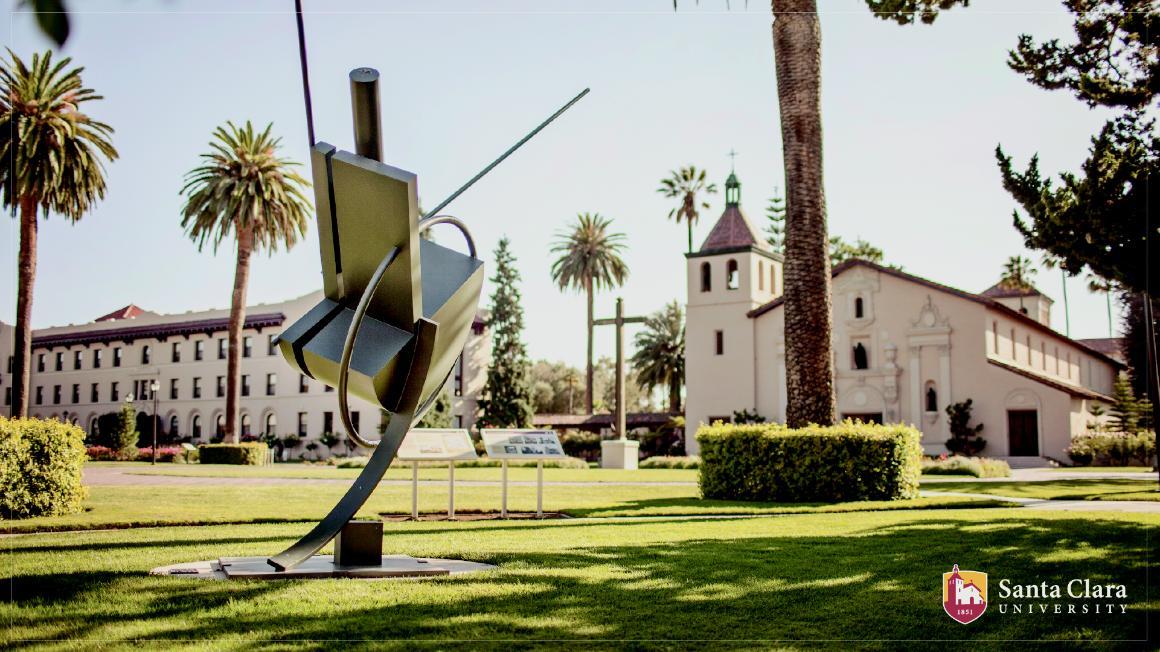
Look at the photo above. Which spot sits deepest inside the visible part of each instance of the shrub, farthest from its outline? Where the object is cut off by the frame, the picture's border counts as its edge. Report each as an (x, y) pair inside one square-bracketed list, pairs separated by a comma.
[(252, 453), (671, 462), (164, 454), (770, 462), (101, 453), (965, 439), (40, 468), (1112, 448), (979, 467), (577, 443), (125, 436)]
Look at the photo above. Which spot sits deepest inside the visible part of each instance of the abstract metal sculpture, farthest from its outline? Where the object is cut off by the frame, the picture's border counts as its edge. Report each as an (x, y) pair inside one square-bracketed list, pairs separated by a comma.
[(396, 308)]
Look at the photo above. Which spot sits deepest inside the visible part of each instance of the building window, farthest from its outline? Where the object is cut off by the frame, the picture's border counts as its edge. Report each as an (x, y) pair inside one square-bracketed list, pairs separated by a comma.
[(76, 393), (1043, 355), (706, 277), (146, 354), (196, 387), (221, 348), (114, 392), (245, 425), (56, 394), (859, 308), (995, 337), (861, 357), (40, 363), (327, 422), (459, 421), (173, 389), (1013, 356), (732, 275), (760, 276), (301, 424), (96, 358), (116, 356), (459, 376), (247, 346), (198, 349), (7, 396), (931, 398), (271, 344), (1057, 360), (93, 429), (95, 393), (1028, 350), (271, 424), (245, 384), (173, 426), (76, 359), (195, 426), (219, 426), (303, 385), (176, 357), (39, 395), (11, 363), (221, 386), (773, 278), (59, 360), (719, 342), (354, 420), (271, 384)]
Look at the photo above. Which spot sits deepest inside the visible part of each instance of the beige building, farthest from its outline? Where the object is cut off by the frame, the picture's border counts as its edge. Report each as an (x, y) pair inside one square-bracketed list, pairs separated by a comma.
[(82, 371), (904, 349)]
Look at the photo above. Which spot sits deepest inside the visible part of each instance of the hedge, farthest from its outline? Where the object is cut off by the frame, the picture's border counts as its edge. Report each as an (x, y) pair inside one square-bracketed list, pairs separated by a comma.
[(40, 468), (1113, 448), (252, 453), (670, 462), (979, 467), (770, 462)]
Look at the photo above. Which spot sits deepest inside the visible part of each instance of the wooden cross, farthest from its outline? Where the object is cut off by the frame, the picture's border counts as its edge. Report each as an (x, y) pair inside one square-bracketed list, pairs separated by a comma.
[(619, 321)]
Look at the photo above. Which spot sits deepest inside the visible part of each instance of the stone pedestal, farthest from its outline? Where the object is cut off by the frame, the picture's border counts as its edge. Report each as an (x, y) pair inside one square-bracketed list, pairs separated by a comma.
[(619, 453)]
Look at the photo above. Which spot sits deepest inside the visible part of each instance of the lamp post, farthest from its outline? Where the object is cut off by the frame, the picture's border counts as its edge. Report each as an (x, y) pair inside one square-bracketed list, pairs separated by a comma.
[(153, 387)]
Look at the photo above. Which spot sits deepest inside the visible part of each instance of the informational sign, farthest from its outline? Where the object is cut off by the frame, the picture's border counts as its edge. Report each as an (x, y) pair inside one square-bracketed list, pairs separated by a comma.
[(522, 444), (436, 444)]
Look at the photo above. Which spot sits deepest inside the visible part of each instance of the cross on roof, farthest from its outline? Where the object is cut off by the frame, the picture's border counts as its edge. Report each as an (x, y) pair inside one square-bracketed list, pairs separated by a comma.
[(732, 159)]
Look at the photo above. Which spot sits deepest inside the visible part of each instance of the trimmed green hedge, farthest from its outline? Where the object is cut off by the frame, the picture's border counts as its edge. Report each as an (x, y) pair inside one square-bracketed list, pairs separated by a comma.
[(770, 462), (250, 452), (40, 468)]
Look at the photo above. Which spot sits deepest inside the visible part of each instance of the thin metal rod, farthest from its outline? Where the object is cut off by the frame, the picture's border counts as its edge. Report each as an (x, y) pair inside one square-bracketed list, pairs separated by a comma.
[(429, 222), (415, 490), (451, 489), (305, 72), (443, 204), (364, 105), (539, 488), (503, 498)]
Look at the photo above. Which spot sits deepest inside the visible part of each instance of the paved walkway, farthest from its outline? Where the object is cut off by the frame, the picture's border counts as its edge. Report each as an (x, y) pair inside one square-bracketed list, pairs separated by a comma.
[(1130, 506), (1044, 475)]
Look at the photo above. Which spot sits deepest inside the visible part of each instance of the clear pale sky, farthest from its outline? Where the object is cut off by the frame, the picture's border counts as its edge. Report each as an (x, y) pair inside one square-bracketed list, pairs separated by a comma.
[(911, 118)]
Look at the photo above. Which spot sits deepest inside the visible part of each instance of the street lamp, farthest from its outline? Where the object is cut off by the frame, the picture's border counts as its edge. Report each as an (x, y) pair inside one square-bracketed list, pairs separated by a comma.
[(153, 387)]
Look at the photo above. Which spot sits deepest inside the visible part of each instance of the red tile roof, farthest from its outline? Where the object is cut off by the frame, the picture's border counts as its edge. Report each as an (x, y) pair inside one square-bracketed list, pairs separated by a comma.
[(128, 312), (731, 231)]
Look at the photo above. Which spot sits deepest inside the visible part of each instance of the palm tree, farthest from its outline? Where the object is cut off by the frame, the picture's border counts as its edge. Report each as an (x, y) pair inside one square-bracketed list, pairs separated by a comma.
[(687, 184), (589, 261), (1051, 262), (244, 190), (1017, 273), (660, 353), (1098, 285), (797, 41), (53, 154)]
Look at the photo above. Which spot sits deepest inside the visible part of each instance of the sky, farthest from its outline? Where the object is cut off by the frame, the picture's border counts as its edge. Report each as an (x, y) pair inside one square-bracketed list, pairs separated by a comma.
[(911, 117)]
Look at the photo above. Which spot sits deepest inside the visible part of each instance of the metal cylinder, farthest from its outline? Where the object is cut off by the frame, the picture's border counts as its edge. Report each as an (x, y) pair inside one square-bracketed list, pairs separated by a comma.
[(364, 105)]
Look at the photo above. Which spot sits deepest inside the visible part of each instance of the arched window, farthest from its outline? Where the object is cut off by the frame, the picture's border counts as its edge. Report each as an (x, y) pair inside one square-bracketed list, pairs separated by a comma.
[(195, 426), (732, 275), (859, 308), (93, 426), (271, 424), (145, 354), (706, 277), (861, 360), (173, 426), (773, 278), (931, 398), (245, 425), (219, 427), (760, 276)]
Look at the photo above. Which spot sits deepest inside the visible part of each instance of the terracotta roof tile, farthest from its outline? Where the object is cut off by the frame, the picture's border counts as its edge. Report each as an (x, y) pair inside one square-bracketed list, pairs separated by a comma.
[(731, 231)]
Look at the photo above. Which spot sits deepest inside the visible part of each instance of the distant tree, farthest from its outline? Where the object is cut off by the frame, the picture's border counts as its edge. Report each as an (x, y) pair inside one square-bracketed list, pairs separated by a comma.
[(841, 251), (125, 437), (590, 260), (659, 360), (965, 439), (507, 394), (555, 387), (52, 155), (636, 398), (747, 416), (775, 226), (439, 416), (1097, 285), (1051, 262), (1017, 273), (687, 185), (1125, 410)]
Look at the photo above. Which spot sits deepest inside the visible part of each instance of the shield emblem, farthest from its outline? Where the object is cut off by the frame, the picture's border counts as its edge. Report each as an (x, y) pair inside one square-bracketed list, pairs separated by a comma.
[(964, 594)]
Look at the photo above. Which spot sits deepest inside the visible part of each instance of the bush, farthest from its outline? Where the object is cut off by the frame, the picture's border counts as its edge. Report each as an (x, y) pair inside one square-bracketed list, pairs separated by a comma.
[(124, 438), (660, 443), (101, 453), (671, 462), (979, 467), (40, 468), (770, 462), (252, 453), (965, 439), (164, 454), (1112, 448), (577, 443)]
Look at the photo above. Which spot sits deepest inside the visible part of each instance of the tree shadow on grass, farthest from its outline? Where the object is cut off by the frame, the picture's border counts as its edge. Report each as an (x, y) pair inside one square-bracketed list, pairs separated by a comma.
[(880, 583)]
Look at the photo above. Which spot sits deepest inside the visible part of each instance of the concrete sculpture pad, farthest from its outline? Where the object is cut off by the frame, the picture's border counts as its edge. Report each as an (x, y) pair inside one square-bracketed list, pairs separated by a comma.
[(320, 566)]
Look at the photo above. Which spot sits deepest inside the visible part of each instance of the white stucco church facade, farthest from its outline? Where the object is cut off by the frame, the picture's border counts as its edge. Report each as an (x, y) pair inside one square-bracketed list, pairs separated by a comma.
[(904, 348)]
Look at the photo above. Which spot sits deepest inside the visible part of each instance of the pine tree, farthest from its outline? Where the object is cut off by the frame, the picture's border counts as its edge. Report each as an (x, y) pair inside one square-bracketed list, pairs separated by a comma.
[(1125, 410), (125, 438), (439, 416), (507, 401), (775, 229)]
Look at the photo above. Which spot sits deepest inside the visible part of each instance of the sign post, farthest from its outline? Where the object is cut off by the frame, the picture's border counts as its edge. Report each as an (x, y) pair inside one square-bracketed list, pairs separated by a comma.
[(415, 490), (503, 501), (538, 445), (435, 445)]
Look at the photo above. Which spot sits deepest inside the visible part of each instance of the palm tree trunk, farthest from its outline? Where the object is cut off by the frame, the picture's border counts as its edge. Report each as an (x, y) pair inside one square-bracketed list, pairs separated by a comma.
[(22, 355), (589, 377), (1066, 309), (237, 320), (689, 222), (675, 394), (797, 48)]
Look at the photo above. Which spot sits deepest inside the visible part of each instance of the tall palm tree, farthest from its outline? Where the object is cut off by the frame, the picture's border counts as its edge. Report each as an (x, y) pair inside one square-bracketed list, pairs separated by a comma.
[(53, 162), (1017, 273), (797, 51), (687, 184), (1097, 285), (589, 261), (660, 353), (1051, 262), (243, 189)]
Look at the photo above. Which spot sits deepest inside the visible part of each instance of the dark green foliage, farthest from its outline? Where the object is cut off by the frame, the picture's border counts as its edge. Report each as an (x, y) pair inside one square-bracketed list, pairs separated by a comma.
[(1127, 410), (965, 439), (557, 388), (659, 360), (328, 439), (125, 435), (251, 453), (841, 251), (40, 468), (1113, 449), (584, 445), (775, 229), (747, 416), (851, 461), (51, 17), (905, 12), (439, 416), (507, 395), (1017, 273)]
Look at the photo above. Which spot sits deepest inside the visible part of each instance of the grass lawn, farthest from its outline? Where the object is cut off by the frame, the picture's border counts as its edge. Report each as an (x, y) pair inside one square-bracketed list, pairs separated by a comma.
[(1105, 469), (1103, 489), (604, 584)]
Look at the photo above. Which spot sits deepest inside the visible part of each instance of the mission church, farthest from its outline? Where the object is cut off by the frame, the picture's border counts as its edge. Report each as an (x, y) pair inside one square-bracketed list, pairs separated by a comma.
[(904, 348)]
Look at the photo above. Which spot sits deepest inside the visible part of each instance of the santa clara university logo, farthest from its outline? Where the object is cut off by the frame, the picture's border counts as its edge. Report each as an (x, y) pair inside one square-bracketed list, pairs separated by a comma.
[(964, 594)]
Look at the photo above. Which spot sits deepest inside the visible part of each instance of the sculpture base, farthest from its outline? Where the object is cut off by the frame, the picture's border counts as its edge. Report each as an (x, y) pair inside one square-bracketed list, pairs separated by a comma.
[(320, 567), (619, 454)]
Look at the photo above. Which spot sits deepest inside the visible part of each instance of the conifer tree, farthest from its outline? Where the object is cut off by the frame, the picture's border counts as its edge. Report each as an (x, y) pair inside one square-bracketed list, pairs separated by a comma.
[(507, 401), (439, 416), (1125, 410)]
